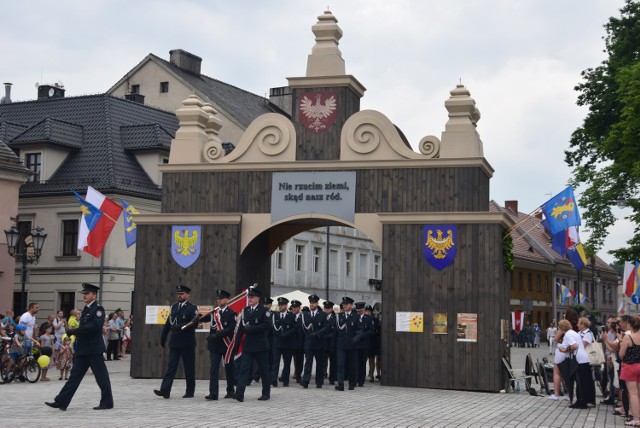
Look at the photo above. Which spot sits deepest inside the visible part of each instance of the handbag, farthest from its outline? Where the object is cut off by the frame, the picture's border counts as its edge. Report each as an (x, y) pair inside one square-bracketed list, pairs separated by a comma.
[(596, 354)]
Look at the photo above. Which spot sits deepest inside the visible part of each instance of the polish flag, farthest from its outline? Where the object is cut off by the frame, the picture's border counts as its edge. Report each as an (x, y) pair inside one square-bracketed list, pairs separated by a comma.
[(629, 283), (517, 320), (93, 241)]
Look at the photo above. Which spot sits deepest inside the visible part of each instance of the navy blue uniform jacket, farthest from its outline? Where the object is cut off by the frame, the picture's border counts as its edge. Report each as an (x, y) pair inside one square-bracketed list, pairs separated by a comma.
[(89, 339), (215, 341), (315, 330), (255, 325), (179, 317)]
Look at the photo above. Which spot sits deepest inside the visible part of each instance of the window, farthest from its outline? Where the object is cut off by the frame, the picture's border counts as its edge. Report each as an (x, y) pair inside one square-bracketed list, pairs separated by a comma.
[(529, 282), (135, 89), (67, 302), (347, 263), (317, 251), (280, 257), (69, 237), (539, 284), (520, 281), (376, 267), (164, 87), (299, 257), (34, 163)]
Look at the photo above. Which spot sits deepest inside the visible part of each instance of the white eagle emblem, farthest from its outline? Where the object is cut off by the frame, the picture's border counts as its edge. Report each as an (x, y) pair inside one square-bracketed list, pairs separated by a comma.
[(439, 245), (318, 112)]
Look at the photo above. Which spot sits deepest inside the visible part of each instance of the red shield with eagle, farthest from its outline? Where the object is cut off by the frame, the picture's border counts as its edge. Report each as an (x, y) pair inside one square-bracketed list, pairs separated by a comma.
[(318, 110)]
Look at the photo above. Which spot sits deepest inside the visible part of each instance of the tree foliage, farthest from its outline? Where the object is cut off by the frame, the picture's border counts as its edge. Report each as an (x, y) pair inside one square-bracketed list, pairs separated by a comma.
[(605, 151)]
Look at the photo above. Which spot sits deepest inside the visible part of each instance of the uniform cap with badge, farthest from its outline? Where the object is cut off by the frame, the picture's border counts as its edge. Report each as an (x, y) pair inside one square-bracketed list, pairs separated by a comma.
[(327, 304), (267, 300), (180, 289), (359, 306), (296, 303), (347, 300), (368, 308), (89, 288), (222, 294), (314, 298), (283, 301), (255, 293)]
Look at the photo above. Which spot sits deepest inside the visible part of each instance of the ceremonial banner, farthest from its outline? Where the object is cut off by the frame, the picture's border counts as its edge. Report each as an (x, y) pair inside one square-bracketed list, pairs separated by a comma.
[(439, 244), (130, 230), (185, 244), (517, 320), (93, 240)]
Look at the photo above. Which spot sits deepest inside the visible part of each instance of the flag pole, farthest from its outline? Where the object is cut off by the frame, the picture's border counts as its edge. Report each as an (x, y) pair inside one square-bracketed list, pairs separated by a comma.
[(527, 217)]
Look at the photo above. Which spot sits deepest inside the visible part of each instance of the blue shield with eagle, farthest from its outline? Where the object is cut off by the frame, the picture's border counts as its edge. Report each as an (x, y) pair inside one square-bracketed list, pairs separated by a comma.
[(185, 244), (439, 244)]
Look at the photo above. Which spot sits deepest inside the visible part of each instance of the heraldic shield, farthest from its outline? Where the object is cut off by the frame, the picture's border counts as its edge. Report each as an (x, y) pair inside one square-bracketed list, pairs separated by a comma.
[(185, 244), (439, 244)]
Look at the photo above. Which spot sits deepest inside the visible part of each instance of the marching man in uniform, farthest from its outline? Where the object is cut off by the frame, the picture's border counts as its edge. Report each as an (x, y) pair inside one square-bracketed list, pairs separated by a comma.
[(223, 323), (315, 327), (182, 322), (347, 324)]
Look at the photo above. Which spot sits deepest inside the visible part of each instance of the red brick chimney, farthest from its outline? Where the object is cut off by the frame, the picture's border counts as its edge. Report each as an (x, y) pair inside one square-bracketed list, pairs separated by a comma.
[(511, 205)]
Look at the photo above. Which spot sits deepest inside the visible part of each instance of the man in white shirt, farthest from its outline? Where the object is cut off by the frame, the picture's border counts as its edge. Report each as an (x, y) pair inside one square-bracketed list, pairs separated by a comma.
[(29, 319)]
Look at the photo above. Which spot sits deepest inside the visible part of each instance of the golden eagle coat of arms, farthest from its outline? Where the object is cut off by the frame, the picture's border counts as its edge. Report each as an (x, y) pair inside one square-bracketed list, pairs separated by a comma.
[(439, 244), (185, 244)]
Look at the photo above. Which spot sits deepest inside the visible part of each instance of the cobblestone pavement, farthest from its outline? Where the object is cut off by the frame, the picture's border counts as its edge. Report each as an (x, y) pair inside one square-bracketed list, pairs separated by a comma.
[(371, 406)]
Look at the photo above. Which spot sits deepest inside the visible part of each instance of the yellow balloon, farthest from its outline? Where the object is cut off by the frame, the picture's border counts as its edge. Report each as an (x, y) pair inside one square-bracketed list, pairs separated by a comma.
[(43, 361)]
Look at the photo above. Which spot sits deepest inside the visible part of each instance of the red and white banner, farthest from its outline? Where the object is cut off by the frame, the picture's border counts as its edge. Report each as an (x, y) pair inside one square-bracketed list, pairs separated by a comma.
[(517, 320), (93, 241), (234, 348)]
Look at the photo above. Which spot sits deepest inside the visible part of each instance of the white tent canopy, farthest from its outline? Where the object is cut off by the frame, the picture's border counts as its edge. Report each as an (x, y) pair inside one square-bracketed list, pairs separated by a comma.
[(294, 295)]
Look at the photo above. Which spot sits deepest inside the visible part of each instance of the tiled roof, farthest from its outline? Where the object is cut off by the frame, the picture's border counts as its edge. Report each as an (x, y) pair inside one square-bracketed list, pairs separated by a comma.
[(102, 160), (240, 104), (50, 131), (531, 241), (145, 137)]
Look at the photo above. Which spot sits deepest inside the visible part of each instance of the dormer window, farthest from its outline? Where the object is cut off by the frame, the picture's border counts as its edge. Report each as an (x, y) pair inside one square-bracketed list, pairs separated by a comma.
[(34, 163), (164, 87), (135, 89)]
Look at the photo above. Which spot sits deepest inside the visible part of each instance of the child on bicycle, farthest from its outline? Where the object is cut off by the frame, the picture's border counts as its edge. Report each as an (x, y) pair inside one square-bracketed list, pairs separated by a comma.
[(18, 347)]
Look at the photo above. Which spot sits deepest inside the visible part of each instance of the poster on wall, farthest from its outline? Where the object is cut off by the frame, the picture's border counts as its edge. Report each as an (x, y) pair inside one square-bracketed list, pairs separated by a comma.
[(467, 328), (204, 326), (412, 322), (440, 323), (156, 314)]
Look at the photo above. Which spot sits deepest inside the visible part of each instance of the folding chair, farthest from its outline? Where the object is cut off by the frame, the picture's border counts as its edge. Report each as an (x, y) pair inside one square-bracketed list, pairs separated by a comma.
[(531, 369), (515, 377)]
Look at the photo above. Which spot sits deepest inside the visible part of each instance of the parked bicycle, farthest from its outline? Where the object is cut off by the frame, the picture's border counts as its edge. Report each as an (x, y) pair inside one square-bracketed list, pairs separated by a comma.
[(26, 367)]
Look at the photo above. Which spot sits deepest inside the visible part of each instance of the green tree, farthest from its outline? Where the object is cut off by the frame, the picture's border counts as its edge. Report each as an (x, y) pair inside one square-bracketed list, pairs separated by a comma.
[(605, 151)]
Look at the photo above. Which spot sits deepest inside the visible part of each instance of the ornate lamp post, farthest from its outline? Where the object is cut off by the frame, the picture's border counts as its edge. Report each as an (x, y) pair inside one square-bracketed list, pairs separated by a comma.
[(26, 247)]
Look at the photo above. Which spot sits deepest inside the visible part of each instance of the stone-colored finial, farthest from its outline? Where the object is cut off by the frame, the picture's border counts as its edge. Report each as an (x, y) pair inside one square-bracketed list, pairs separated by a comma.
[(186, 147), (460, 138), (326, 58)]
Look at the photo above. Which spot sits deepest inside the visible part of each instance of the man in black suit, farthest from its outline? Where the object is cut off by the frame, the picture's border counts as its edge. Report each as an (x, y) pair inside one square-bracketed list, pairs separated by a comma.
[(330, 342), (89, 350), (297, 341), (366, 329), (223, 324), (254, 323), (347, 350), (182, 322), (283, 326), (315, 330)]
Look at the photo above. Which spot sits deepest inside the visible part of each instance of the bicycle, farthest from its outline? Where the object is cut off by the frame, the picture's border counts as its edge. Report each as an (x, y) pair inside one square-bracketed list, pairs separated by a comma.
[(5, 344), (26, 366)]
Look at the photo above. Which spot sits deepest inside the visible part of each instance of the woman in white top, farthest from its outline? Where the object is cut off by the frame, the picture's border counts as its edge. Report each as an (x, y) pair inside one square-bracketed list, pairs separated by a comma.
[(572, 344), (589, 387), (551, 332), (563, 327)]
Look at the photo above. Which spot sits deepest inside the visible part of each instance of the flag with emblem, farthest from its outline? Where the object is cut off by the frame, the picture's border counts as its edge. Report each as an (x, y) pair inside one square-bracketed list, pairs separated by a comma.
[(561, 211), (93, 240), (129, 225), (237, 304), (90, 214)]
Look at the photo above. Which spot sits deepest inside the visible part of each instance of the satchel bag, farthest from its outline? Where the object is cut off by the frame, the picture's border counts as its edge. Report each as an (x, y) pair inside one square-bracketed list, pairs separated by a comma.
[(596, 354)]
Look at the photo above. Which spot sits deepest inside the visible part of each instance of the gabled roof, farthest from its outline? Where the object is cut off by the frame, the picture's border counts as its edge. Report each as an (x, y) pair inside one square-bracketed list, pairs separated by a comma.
[(531, 241), (50, 131), (101, 160), (145, 138), (241, 105)]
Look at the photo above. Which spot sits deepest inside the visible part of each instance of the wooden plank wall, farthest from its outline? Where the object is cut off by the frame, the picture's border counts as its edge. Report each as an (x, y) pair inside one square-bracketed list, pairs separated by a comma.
[(474, 283)]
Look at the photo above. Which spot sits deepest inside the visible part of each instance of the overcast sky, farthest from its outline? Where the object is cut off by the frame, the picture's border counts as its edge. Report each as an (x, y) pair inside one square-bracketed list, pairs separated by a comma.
[(519, 59)]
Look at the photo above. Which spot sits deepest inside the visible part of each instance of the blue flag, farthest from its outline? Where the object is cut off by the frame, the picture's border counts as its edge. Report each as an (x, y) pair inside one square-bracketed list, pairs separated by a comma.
[(90, 214), (577, 256), (129, 225), (561, 211)]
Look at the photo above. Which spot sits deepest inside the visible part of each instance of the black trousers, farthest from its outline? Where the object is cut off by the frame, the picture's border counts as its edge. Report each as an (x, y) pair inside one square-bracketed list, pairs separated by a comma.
[(81, 364), (320, 358), (363, 356), (112, 349), (214, 373), (188, 356), (348, 358), (244, 376), (333, 365), (298, 363), (286, 355)]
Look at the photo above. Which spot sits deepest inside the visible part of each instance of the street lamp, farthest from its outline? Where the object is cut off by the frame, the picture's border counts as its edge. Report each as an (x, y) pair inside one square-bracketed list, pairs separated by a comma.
[(25, 246)]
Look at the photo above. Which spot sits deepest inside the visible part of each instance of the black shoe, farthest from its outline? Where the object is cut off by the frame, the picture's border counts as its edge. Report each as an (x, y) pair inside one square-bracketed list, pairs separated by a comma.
[(21, 378), (263, 398), (160, 393), (187, 395), (256, 378), (101, 407), (318, 386), (230, 395), (55, 405), (361, 384), (211, 397), (340, 387), (240, 398), (332, 382), (285, 384), (304, 384), (608, 402), (577, 406), (352, 387), (298, 379), (274, 383)]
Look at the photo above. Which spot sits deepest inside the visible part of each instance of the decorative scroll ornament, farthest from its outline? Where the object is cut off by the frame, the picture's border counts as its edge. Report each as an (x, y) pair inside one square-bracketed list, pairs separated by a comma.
[(185, 244), (318, 110), (439, 244), (366, 138), (212, 151), (429, 146), (271, 140)]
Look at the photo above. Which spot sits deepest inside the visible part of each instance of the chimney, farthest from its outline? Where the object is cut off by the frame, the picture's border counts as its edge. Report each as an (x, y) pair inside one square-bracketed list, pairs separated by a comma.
[(185, 60), (7, 94), (46, 92), (511, 205)]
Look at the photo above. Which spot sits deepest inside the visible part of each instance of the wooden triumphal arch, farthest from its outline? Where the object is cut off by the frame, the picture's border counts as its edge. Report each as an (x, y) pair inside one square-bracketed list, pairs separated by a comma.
[(330, 163)]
